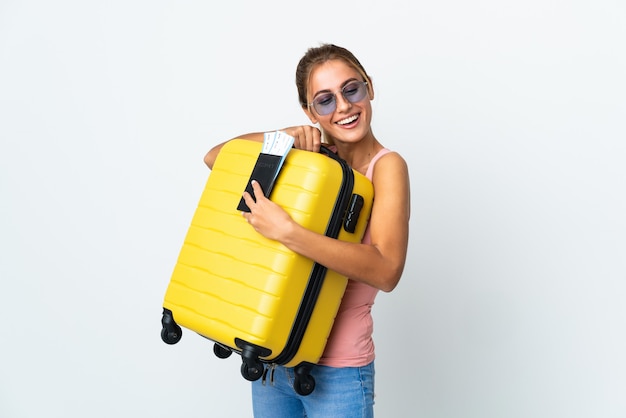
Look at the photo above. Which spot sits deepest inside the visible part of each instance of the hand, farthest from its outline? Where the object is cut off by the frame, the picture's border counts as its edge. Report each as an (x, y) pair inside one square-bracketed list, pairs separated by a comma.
[(306, 137), (265, 216)]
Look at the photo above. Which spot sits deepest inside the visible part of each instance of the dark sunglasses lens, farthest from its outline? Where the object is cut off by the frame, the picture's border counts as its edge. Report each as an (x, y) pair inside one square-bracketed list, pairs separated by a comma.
[(354, 92), (324, 104)]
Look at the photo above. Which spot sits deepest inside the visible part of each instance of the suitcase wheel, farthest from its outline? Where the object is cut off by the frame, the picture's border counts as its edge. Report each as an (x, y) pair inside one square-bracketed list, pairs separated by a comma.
[(171, 333), (304, 383), (251, 369), (221, 351)]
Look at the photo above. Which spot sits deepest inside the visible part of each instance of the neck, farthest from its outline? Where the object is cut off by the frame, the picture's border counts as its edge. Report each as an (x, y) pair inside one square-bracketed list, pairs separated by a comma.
[(358, 155)]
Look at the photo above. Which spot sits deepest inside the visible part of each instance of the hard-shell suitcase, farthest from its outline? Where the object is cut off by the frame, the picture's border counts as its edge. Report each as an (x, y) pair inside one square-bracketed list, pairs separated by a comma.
[(253, 295)]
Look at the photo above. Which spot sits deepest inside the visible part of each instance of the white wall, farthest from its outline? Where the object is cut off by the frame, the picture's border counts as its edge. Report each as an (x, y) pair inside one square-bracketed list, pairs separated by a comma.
[(510, 115)]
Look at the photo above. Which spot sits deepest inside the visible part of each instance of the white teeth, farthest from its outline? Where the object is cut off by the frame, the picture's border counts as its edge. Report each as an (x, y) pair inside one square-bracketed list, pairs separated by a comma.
[(348, 120)]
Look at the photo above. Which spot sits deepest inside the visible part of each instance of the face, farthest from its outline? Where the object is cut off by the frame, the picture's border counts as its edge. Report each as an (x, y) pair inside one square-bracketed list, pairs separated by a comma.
[(337, 81)]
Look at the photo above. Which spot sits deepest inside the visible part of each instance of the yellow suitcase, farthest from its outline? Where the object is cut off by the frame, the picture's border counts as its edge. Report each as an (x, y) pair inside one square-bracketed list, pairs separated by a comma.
[(252, 295)]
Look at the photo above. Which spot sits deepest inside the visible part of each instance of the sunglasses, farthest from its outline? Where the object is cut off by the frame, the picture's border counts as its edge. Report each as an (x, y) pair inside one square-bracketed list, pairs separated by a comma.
[(326, 103)]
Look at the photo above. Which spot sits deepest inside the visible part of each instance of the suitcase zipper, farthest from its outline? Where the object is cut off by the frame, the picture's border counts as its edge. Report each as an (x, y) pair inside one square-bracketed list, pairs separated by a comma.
[(271, 368), (318, 272)]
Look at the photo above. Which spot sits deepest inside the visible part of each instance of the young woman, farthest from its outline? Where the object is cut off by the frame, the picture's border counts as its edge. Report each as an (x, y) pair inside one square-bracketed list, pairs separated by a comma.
[(336, 92)]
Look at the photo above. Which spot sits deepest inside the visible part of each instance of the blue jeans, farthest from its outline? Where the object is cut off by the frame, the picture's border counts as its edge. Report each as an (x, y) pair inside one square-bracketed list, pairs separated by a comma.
[(346, 392)]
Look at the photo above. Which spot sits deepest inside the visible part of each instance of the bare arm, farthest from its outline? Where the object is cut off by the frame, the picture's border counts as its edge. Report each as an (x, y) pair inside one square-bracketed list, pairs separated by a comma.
[(379, 264)]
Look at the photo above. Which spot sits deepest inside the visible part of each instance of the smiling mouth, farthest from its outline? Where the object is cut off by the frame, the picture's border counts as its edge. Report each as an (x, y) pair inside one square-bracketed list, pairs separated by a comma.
[(349, 120)]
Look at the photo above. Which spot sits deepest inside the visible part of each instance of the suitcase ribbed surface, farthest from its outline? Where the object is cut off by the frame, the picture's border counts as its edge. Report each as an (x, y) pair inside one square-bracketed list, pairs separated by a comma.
[(230, 282)]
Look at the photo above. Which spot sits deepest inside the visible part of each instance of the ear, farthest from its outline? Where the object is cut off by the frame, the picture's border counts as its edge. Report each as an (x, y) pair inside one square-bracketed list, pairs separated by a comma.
[(370, 89), (310, 114)]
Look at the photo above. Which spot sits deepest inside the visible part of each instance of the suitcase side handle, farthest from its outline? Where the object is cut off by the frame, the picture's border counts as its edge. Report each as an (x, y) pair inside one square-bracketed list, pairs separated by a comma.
[(353, 212), (355, 205)]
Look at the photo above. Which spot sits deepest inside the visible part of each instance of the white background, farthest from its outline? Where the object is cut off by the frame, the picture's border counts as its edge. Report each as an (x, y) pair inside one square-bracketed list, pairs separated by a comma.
[(511, 116)]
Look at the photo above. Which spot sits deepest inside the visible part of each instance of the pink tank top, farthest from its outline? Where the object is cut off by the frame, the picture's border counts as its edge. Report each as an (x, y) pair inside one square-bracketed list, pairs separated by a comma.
[(350, 343)]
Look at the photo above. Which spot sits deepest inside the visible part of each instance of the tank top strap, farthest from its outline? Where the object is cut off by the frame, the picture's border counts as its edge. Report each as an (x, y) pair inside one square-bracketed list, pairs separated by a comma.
[(370, 169)]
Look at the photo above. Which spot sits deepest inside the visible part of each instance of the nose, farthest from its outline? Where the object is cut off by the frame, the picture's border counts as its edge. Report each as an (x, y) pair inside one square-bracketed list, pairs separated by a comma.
[(342, 103)]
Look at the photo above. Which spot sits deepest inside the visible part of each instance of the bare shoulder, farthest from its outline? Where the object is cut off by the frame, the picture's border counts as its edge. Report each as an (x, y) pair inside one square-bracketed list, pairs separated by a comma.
[(393, 156), (389, 165), (391, 211), (392, 186)]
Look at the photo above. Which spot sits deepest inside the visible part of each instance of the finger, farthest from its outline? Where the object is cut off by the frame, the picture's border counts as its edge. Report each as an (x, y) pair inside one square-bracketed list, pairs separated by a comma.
[(300, 139), (315, 140), (247, 216), (306, 137), (258, 191), (310, 139), (247, 197), (317, 144)]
